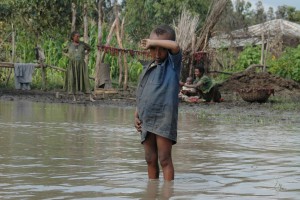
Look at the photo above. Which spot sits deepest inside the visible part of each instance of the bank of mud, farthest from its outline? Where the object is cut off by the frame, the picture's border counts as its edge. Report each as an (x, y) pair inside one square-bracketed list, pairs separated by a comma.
[(275, 110), (283, 106)]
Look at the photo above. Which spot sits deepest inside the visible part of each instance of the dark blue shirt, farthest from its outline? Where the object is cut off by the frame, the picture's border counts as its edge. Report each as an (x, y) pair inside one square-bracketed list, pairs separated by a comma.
[(157, 98)]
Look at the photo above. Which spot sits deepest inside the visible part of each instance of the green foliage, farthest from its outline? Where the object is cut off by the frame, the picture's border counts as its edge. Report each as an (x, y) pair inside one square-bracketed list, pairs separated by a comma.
[(288, 65), (24, 47), (250, 55), (135, 69), (48, 23), (42, 17), (5, 11), (143, 16)]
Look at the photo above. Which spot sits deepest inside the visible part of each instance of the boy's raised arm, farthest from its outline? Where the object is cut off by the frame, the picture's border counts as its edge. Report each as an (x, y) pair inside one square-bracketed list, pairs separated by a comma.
[(171, 45)]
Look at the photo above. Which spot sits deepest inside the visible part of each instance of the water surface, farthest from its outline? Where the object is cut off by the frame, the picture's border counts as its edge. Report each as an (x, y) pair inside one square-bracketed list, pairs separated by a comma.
[(66, 151)]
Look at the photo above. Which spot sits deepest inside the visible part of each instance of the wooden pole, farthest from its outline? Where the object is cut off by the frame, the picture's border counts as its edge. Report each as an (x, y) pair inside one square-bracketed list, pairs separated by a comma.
[(101, 56), (119, 42), (42, 64), (120, 68), (119, 39), (266, 53), (192, 57), (125, 86), (262, 48), (98, 57)]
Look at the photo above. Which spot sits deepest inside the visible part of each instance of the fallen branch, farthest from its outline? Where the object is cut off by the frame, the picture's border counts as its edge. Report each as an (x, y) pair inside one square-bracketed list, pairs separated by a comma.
[(220, 72)]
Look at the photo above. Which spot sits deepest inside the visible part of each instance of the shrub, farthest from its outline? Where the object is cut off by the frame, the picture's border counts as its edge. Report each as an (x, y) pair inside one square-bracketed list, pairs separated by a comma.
[(287, 65)]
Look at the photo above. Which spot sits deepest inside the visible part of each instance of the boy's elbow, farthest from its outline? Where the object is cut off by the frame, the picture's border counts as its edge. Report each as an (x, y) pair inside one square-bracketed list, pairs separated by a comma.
[(175, 49)]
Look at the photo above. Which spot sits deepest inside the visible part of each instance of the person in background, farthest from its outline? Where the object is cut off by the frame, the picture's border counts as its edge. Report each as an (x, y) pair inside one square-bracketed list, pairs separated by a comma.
[(186, 90), (156, 114), (204, 85), (77, 79)]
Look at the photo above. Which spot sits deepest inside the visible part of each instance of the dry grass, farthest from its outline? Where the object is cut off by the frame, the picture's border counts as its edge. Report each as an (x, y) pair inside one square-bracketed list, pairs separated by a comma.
[(186, 30), (216, 9)]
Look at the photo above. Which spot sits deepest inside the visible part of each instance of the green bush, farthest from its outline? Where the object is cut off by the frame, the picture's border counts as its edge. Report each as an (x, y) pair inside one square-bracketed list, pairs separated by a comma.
[(250, 55), (287, 65)]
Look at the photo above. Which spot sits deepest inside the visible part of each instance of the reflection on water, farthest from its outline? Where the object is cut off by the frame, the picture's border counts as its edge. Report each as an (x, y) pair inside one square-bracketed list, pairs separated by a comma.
[(60, 151)]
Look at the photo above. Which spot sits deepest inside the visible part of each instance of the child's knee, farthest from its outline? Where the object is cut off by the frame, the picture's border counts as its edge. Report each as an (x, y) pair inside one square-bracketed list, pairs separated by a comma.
[(151, 158), (165, 160)]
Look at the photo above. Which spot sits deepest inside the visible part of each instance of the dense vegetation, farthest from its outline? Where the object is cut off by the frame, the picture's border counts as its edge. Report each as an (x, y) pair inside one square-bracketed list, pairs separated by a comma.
[(48, 23)]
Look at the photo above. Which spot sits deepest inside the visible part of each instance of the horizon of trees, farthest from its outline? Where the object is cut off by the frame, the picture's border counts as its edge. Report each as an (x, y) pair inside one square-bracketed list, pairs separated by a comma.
[(48, 22)]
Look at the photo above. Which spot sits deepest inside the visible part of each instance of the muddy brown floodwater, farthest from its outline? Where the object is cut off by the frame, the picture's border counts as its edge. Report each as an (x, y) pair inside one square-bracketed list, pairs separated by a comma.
[(91, 151), (54, 148)]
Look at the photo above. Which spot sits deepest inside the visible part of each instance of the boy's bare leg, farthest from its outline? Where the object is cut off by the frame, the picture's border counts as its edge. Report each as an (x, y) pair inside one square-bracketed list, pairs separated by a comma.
[(164, 147), (151, 156)]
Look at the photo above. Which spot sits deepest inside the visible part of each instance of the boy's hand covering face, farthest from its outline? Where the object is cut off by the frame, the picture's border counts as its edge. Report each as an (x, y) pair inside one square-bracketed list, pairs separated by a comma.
[(145, 43)]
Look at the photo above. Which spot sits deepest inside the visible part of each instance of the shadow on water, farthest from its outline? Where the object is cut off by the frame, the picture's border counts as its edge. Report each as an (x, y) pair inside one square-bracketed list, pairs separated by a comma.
[(60, 151)]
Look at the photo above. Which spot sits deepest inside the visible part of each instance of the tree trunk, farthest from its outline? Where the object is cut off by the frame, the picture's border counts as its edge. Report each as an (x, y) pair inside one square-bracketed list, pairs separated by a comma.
[(120, 68), (43, 69), (85, 30), (73, 27), (125, 86), (101, 55), (119, 42), (119, 39), (98, 58), (13, 44)]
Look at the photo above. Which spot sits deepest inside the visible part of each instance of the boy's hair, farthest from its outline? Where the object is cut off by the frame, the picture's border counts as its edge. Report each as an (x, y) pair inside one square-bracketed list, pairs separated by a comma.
[(73, 33), (189, 78), (165, 29), (201, 69)]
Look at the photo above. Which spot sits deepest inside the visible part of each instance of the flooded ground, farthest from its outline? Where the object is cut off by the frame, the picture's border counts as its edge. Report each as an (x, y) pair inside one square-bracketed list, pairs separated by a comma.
[(68, 151)]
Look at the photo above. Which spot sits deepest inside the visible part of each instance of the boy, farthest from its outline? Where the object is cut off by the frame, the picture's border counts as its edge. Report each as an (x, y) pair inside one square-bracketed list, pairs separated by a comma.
[(188, 91), (156, 114)]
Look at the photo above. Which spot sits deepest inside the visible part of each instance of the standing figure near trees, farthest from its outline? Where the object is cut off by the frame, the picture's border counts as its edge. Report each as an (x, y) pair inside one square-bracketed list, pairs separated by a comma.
[(77, 78), (156, 114)]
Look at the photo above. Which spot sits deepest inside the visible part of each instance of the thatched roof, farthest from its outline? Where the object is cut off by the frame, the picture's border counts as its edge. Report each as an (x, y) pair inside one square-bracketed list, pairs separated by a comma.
[(253, 34)]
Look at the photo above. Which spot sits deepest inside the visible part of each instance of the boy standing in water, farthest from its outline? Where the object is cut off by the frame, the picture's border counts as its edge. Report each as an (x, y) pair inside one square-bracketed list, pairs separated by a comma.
[(156, 114)]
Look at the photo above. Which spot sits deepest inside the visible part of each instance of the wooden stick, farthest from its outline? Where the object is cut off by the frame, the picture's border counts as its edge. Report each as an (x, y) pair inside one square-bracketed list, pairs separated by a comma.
[(11, 65), (57, 68), (220, 72)]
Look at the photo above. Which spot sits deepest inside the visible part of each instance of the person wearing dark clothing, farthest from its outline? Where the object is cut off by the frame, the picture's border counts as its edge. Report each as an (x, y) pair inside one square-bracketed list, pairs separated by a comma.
[(205, 86), (156, 114)]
